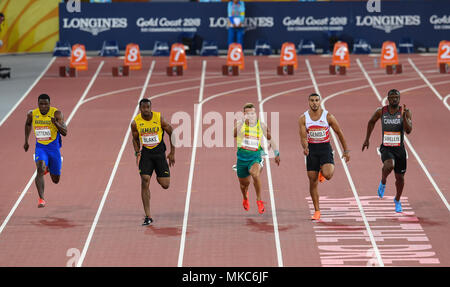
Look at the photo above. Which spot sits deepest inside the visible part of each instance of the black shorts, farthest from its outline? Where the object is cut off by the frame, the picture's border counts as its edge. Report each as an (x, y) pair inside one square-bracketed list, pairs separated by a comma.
[(398, 154), (153, 161), (319, 154)]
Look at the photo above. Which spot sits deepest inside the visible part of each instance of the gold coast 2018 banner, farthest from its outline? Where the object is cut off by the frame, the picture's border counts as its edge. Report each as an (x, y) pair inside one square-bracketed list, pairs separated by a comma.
[(29, 25)]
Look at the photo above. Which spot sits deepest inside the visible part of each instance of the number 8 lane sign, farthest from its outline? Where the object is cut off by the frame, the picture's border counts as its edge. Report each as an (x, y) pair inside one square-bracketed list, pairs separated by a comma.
[(133, 57)]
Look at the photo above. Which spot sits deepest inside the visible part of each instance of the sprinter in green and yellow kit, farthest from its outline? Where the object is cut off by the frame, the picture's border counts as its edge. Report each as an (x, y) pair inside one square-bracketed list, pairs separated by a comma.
[(249, 134)]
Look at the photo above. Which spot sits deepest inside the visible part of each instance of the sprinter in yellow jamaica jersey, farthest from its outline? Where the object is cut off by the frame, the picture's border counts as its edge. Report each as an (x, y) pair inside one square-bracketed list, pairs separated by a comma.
[(249, 134), (148, 129), (48, 124)]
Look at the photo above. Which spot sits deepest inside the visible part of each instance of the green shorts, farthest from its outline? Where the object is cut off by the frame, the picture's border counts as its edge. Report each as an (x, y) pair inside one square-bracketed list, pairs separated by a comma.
[(243, 167)]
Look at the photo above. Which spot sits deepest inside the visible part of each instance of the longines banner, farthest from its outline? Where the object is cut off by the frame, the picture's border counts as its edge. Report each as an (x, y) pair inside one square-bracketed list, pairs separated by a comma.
[(426, 22)]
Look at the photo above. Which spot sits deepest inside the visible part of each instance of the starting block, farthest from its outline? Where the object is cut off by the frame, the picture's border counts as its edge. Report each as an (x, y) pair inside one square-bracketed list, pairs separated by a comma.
[(121, 71), (65, 71), (5, 72), (389, 58), (340, 60), (174, 70), (235, 60), (443, 59), (285, 70), (444, 68), (230, 70), (177, 60), (394, 69), (336, 69), (288, 59)]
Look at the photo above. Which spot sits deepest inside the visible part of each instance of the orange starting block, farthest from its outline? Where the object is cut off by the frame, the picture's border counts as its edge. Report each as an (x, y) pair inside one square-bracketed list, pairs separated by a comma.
[(78, 61), (444, 57), (288, 59), (389, 58), (235, 60), (177, 61), (341, 59)]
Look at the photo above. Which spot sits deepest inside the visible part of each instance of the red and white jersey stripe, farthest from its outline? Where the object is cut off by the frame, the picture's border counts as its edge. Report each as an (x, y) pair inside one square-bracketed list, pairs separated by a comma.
[(317, 131)]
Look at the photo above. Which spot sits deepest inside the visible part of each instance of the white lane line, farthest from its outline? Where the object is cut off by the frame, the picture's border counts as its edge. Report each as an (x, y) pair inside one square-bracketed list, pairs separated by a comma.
[(445, 102), (27, 92), (425, 79), (192, 166), (408, 143), (349, 177), (113, 173), (25, 190), (269, 173)]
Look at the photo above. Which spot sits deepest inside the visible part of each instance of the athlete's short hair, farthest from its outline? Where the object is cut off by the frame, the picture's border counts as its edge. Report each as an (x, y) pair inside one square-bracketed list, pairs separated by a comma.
[(249, 106), (144, 101), (393, 92), (314, 95), (43, 97)]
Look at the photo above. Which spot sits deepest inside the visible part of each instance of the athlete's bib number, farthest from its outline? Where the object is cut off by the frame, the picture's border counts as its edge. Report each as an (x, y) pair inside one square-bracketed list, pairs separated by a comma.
[(250, 143), (391, 139), (43, 133), (318, 135), (150, 139)]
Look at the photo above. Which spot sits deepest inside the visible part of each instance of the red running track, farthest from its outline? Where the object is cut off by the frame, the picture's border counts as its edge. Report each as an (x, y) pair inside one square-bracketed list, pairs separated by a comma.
[(218, 231)]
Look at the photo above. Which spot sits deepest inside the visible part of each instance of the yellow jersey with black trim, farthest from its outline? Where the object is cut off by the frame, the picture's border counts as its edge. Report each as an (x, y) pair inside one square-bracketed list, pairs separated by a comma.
[(44, 130), (150, 132), (249, 141)]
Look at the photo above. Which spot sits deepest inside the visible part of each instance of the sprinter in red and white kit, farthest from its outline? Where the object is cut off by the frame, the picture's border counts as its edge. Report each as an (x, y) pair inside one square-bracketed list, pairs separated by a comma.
[(314, 126)]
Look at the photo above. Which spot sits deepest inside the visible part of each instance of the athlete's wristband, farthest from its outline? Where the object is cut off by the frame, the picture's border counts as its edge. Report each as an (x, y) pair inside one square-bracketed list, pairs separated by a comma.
[(136, 153), (346, 151), (276, 152)]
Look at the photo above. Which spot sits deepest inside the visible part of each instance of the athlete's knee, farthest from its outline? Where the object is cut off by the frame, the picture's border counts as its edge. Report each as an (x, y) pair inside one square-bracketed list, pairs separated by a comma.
[(145, 180), (388, 166), (327, 175), (255, 172), (55, 179), (399, 178), (165, 185), (244, 183)]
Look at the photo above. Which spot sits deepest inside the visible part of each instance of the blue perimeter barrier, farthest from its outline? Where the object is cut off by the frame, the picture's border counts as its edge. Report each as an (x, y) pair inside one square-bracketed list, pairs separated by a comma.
[(427, 22)]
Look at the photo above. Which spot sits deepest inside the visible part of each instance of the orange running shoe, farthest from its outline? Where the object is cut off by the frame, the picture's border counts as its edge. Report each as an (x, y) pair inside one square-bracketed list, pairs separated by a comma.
[(41, 203), (260, 204), (246, 204), (316, 215), (321, 177)]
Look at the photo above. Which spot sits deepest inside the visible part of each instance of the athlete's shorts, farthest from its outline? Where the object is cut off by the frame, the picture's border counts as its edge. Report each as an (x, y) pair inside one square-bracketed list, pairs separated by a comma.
[(243, 166), (398, 154), (319, 154), (51, 157), (153, 161)]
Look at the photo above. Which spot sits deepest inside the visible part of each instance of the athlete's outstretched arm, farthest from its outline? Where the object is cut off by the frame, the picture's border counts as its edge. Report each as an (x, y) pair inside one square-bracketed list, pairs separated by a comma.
[(370, 125), (302, 132), (169, 130), (268, 135), (58, 121), (136, 141), (334, 124), (407, 123), (28, 124)]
